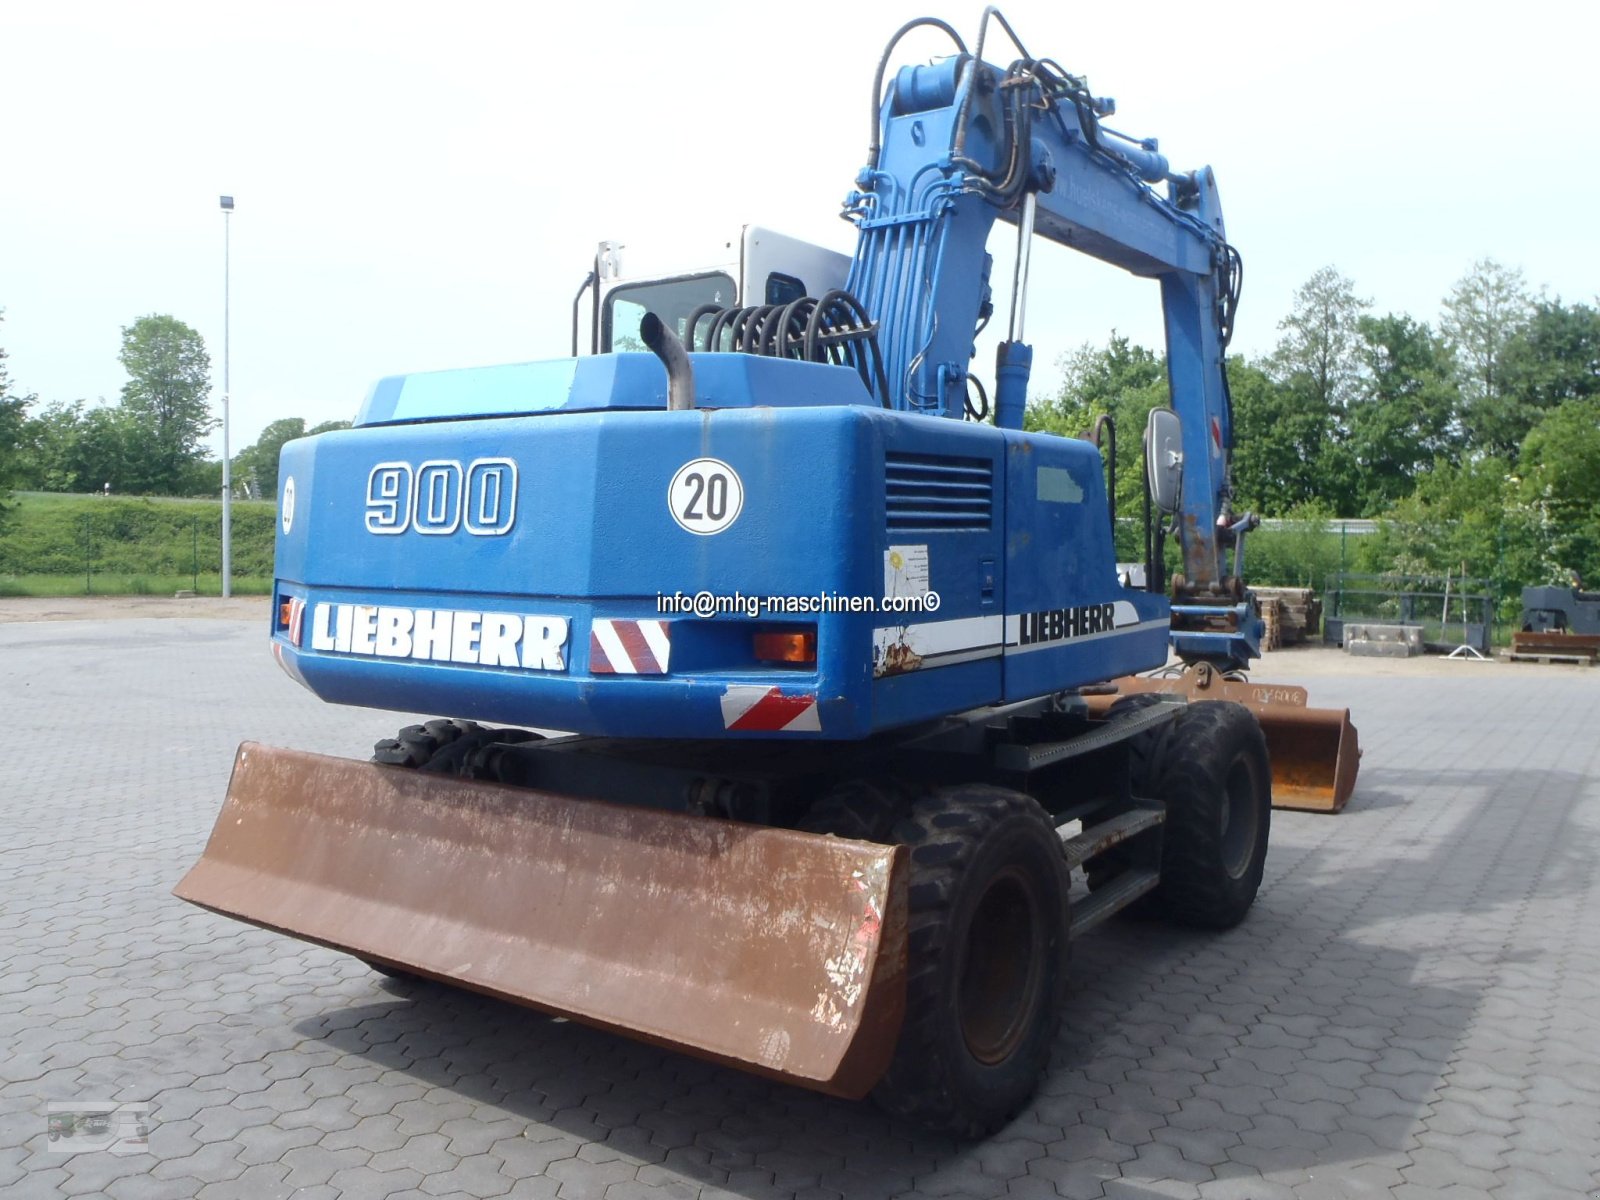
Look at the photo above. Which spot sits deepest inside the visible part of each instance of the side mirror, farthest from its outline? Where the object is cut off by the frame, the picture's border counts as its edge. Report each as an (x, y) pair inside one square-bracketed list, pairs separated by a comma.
[(1163, 458)]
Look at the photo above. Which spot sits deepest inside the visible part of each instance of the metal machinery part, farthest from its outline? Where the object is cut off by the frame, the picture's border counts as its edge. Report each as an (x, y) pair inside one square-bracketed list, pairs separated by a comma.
[(1558, 623), (1316, 752), (828, 843)]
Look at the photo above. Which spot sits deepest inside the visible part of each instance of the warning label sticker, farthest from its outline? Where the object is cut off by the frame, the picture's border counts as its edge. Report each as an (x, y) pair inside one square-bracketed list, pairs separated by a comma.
[(905, 571)]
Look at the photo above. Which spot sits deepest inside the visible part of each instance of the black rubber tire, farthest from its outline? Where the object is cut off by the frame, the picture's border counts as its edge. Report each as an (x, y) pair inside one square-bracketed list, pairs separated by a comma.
[(1215, 778), (1145, 747), (987, 953), (444, 746), (416, 745), (855, 809)]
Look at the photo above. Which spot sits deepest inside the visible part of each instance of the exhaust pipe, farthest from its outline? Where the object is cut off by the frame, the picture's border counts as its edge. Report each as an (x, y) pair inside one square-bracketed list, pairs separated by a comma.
[(664, 344)]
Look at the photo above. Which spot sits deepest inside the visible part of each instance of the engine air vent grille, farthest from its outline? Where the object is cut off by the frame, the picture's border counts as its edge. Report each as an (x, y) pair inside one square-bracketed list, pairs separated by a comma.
[(934, 492)]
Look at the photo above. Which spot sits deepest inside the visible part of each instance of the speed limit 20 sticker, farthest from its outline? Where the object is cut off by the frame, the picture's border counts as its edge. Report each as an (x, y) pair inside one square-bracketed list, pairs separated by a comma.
[(705, 496)]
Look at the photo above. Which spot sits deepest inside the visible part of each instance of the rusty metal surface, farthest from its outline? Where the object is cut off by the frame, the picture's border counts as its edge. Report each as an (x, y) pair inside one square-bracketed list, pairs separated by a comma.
[(778, 951), (1315, 756), (1556, 644), (1315, 752)]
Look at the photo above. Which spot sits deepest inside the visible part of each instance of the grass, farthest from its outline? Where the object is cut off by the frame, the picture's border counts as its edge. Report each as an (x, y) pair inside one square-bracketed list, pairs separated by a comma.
[(61, 545), (74, 499), (129, 585)]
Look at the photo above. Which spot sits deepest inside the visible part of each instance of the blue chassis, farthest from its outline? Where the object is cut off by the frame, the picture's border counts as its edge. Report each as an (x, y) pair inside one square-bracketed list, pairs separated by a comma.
[(593, 537)]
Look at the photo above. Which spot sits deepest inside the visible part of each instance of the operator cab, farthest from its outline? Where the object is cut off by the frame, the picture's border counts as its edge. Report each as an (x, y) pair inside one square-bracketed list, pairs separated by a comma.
[(759, 267)]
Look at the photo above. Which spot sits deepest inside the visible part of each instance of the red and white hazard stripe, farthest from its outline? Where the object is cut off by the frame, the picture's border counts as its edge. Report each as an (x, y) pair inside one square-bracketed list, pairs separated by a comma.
[(287, 664), (297, 619), (750, 708), (629, 647)]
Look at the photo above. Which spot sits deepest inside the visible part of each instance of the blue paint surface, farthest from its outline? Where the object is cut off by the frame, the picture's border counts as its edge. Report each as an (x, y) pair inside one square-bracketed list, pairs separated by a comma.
[(593, 536)]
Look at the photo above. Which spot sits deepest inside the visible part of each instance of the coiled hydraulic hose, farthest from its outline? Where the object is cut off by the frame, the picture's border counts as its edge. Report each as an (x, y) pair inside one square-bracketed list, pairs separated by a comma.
[(833, 328)]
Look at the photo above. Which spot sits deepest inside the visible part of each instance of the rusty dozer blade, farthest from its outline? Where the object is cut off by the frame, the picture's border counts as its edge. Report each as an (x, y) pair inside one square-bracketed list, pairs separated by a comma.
[(776, 951), (1315, 751)]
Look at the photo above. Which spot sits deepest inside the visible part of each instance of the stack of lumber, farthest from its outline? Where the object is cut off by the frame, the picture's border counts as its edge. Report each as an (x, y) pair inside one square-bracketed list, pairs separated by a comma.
[(1300, 613), (1272, 618)]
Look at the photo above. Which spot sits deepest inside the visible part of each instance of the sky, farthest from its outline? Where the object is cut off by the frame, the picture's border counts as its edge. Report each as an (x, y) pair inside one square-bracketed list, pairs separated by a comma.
[(421, 186)]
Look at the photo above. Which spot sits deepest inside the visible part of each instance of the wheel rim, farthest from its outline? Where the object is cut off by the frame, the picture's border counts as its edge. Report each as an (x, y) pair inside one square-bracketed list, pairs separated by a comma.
[(1239, 817), (1000, 968)]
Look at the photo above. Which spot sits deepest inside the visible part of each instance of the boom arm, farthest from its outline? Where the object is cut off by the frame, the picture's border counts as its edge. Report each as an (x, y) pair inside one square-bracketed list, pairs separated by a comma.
[(959, 144)]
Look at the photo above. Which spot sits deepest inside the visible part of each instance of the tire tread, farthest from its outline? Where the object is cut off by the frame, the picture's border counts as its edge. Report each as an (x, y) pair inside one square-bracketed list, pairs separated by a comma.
[(945, 829)]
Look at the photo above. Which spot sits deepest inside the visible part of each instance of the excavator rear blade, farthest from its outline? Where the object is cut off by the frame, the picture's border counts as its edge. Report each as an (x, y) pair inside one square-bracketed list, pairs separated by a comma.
[(776, 951), (1315, 751)]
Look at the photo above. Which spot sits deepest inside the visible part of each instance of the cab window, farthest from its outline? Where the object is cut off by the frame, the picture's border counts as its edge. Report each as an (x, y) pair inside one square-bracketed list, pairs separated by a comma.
[(670, 299)]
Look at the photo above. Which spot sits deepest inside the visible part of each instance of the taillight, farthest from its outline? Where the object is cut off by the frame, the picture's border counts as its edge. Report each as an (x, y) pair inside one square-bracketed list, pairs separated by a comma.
[(799, 649)]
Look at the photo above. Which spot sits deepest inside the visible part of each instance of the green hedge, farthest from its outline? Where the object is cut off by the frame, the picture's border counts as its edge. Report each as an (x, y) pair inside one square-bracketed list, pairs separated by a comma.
[(129, 544)]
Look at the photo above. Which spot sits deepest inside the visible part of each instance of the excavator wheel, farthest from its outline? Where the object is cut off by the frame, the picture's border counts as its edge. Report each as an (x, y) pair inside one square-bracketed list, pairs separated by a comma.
[(416, 745), (987, 953), (1213, 775), (444, 746), (855, 809)]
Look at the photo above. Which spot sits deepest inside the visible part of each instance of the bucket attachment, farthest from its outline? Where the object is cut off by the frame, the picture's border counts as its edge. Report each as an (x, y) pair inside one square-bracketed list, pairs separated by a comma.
[(779, 952), (1315, 752)]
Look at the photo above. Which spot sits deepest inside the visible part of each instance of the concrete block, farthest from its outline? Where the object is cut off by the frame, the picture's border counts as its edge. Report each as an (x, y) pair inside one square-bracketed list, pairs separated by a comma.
[(1410, 635), (1361, 648), (1382, 641)]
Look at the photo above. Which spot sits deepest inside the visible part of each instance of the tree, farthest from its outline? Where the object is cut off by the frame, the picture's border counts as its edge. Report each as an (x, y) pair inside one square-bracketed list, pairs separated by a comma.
[(1406, 414), (1485, 309), (1123, 381), (1554, 357), (13, 430), (1285, 453), (1560, 470), (1289, 415), (52, 438), (166, 400), (256, 467), (1468, 516), (106, 452), (1320, 347), (75, 447), (13, 424)]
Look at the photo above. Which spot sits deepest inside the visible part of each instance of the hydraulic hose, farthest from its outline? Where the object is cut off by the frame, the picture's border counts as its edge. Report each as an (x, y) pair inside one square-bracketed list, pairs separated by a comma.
[(883, 65)]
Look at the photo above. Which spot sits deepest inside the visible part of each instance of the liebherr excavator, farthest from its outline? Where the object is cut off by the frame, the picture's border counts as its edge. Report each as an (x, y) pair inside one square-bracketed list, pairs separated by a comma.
[(833, 638)]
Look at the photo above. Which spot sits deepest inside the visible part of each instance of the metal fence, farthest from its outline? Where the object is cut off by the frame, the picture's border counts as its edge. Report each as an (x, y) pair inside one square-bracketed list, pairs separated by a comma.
[(54, 545), (1451, 611)]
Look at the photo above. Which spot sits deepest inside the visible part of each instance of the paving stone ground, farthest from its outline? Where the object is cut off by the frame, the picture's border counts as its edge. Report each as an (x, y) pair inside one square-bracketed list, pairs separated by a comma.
[(1412, 1009)]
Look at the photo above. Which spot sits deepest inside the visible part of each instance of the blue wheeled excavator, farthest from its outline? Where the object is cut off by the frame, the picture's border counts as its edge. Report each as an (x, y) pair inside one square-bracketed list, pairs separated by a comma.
[(831, 636)]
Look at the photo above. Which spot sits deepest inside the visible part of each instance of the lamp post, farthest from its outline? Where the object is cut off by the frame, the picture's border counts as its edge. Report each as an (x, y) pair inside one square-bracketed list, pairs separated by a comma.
[(227, 466)]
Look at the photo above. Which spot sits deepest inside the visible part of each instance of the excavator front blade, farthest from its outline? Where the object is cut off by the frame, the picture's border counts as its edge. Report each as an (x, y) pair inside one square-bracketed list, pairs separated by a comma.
[(1315, 751), (777, 951)]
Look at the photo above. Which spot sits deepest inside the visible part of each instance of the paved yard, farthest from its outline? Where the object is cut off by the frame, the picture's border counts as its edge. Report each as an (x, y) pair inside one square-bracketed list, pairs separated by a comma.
[(1413, 1008)]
